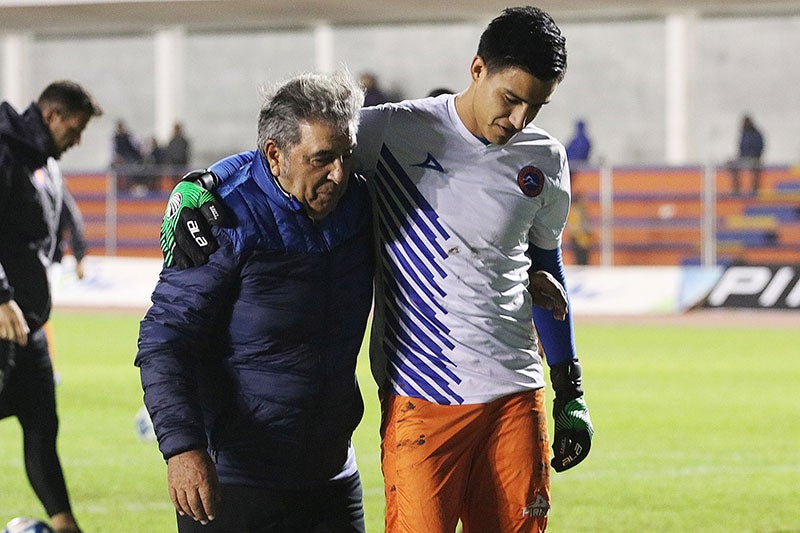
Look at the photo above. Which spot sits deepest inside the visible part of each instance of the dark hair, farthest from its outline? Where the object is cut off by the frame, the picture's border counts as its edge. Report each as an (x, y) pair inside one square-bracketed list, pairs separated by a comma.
[(70, 98), (440, 91), (335, 99), (526, 38)]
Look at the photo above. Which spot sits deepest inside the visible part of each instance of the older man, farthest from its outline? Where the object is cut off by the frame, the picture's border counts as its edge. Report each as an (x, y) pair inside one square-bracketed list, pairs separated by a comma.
[(248, 362)]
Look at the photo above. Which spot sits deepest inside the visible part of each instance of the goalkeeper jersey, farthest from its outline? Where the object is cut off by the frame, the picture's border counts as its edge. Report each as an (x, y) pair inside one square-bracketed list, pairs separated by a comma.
[(455, 217)]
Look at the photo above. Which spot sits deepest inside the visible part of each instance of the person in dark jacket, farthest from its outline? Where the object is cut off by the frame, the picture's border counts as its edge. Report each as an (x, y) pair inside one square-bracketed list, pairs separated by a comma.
[(751, 146), (248, 362), (31, 199)]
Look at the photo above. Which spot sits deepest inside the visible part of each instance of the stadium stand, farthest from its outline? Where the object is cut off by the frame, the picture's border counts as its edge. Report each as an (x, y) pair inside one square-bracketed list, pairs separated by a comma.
[(657, 214)]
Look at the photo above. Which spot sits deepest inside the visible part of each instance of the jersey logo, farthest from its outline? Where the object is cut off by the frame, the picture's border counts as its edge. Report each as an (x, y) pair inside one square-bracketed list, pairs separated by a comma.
[(531, 181), (430, 163)]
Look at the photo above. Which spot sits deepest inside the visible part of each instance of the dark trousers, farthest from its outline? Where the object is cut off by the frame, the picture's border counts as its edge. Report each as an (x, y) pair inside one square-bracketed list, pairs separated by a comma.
[(336, 507), (29, 394)]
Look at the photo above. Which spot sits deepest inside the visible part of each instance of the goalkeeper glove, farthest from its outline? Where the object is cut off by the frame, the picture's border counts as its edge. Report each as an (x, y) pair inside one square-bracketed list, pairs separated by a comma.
[(186, 238), (572, 436)]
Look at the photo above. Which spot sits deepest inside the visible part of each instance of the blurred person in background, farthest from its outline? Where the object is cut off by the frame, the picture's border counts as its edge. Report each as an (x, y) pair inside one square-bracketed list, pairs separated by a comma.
[(69, 236), (373, 95), (177, 151), (579, 231), (579, 149), (438, 91), (31, 200), (154, 160), (751, 147), (126, 161)]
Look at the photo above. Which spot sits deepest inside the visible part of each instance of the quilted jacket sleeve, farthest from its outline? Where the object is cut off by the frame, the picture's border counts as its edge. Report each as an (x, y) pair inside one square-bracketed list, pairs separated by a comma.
[(188, 308)]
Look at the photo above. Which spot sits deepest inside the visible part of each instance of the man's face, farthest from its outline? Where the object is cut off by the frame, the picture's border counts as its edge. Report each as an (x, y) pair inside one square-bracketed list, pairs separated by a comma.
[(66, 129), (506, 100), (316, 169)]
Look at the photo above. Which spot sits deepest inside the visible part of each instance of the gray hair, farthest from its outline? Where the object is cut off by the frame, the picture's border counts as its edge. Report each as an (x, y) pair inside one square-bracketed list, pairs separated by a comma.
[(335, 99)]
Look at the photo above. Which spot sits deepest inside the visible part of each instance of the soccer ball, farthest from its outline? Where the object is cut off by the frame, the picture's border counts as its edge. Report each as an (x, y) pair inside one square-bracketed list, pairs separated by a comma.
[(144, 426), (24, 524)]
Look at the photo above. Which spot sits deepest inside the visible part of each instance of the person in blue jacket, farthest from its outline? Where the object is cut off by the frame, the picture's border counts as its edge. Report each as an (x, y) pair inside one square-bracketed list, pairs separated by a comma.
[(248, 362)]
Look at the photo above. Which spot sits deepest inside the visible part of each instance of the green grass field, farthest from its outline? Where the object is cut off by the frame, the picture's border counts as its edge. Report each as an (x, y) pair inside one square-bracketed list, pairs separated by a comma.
[(697, 430)]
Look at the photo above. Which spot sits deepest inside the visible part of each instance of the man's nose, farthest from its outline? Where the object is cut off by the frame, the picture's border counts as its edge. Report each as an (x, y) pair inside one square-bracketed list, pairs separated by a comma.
[(337, 172), (518, 117)]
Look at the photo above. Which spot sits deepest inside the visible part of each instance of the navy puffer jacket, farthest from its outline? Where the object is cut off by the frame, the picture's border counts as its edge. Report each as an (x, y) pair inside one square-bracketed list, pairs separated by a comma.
[(254, 353)]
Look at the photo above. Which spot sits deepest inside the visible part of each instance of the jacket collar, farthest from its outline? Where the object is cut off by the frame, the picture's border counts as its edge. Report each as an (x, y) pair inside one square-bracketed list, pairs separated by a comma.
[(27, 134), (272, 188)]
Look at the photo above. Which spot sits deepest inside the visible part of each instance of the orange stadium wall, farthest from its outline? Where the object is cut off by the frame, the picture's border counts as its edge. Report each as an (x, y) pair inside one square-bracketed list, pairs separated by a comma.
[(657, 215)]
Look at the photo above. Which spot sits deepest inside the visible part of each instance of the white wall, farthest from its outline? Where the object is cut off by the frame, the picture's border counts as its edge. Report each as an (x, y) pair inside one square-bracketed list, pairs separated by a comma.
[(616, 81)]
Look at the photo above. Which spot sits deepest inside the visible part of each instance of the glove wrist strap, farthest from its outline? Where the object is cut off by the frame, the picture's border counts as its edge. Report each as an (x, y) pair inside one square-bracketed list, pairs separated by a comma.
[(566, 380), (204, 178)]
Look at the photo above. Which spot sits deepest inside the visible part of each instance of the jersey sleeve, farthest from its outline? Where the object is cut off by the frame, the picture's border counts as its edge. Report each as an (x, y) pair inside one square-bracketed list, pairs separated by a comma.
[(369, 140), (548, 225)]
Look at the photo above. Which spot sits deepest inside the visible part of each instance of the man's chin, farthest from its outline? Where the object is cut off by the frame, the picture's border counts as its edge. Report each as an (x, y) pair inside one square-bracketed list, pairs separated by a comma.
[(320, 210)]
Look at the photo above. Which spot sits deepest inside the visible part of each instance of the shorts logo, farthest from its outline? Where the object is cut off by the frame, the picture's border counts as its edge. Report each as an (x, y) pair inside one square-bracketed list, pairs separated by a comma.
[(531, 181), (539, 508), (174, 204)]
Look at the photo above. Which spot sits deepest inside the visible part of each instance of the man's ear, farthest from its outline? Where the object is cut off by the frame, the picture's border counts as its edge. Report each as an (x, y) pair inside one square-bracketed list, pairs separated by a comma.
[(274, 157), (48, 112), (477, 67)]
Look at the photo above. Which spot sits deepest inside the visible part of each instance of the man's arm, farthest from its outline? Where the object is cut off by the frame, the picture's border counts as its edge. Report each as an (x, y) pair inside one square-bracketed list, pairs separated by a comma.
[(72, 220), (573, 428), (173, 341)]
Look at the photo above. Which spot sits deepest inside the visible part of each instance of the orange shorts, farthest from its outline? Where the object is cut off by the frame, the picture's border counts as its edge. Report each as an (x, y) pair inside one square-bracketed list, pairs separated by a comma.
[(485, 464)]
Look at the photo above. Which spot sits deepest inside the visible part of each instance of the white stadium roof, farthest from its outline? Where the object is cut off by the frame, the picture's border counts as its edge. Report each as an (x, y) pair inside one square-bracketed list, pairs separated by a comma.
[(89, 16)]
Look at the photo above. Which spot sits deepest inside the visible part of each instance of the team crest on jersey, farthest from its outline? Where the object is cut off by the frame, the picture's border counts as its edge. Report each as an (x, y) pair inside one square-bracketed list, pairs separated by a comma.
[(531, 181)]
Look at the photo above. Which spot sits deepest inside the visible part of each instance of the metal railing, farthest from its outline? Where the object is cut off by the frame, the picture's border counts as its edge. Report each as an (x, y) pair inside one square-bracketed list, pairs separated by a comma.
[(626, 203)]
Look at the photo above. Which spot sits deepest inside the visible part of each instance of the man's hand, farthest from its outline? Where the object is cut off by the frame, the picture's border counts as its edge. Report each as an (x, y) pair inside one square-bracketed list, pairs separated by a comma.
[(186, 238), (573, 431), (548, 293), (13, 326), (193, 484)]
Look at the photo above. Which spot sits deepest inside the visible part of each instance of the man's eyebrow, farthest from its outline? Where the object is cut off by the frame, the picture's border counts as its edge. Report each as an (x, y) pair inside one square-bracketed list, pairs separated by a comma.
[(330, 153), (511, 93)]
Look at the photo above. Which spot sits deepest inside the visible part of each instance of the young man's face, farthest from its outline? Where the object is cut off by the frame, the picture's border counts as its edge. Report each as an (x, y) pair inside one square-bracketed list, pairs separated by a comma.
[(65, 129), (506, 100), (316, 169)]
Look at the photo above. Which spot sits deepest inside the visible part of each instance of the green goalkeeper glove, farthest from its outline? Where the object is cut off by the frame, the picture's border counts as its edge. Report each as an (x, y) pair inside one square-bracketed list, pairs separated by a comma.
[(572, 436), (186, 238)]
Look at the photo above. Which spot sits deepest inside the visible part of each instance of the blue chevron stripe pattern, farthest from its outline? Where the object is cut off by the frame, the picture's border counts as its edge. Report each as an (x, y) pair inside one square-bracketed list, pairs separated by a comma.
[(416, 339)]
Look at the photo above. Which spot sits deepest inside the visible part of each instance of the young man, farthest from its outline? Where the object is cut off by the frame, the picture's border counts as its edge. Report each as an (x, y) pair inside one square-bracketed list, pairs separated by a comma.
[(248, 362), (471, 201), (31, 190)]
